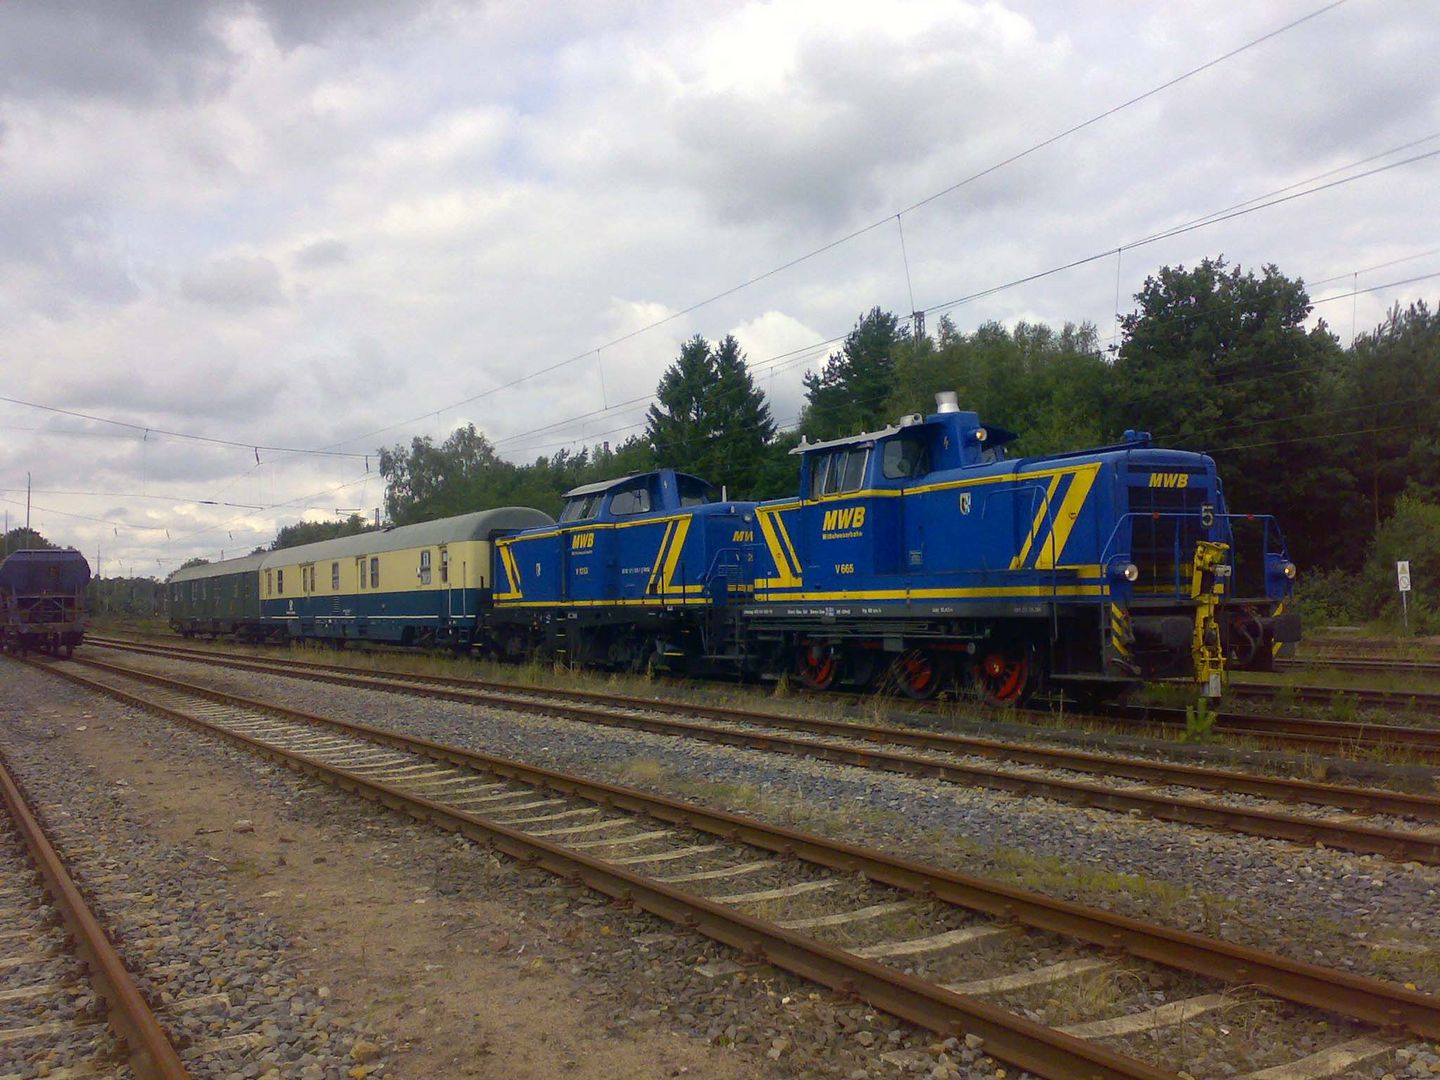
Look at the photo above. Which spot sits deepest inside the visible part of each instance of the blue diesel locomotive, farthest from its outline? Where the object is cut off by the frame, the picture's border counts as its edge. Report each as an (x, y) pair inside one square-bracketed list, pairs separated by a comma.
[(918, 558)]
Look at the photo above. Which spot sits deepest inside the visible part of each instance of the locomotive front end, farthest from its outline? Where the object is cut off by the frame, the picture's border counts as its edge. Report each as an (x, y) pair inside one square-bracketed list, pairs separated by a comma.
[(1194, 589)]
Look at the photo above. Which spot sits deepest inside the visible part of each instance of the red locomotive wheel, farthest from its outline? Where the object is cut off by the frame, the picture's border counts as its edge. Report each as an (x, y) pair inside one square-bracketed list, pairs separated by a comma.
[(818, 667), (916, 675), (1003, 674)]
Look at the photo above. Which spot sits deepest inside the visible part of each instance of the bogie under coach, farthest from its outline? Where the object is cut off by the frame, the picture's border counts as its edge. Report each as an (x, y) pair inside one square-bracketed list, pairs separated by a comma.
[(919, 557)]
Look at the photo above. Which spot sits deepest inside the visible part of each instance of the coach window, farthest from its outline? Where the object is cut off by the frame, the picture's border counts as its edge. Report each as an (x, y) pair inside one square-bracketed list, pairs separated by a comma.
[(444, 566), (269, 586), (634, 499), (360, 571), (280, 582), (375, 572), (902, 459), (334, 577), (425, 567)]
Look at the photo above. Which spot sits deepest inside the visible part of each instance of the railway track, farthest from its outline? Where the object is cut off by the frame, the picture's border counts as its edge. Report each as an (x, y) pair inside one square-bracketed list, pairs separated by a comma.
[(1157, 789), (920, 942), (68, 1006), (1421, 701), (1381, 664), (1298, 733)]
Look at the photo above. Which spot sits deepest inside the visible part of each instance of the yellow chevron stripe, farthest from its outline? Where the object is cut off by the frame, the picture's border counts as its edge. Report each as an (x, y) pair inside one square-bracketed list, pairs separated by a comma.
[(771, 529), (677, 546), (659, 558), (1064, 522), (1041, 515)]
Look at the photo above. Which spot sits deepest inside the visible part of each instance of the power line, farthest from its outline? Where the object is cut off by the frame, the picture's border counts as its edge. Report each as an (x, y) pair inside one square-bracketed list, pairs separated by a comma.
[(165, 432), (1177, 231), (1376, 288), (861, 231), (774, 364), (134, 495)]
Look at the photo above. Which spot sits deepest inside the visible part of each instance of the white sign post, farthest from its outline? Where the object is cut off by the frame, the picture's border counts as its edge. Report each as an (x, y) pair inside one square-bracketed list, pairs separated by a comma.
[(1402, 572)]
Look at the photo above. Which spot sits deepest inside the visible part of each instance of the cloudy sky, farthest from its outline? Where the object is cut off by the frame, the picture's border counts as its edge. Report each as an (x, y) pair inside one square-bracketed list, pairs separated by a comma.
[(290, 225)]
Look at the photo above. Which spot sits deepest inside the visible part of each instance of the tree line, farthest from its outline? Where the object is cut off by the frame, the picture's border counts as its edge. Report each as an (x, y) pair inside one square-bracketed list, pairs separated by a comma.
[(1331, 439), (1340, 442)]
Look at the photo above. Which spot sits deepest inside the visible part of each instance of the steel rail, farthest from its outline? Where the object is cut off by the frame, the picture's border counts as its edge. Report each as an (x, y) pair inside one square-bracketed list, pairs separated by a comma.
[(1350, 836), (1385, 665), (1291, 731), (1296, 731), (1368, 1000), (1008, 1036), (1424, 700), (151, 1055)]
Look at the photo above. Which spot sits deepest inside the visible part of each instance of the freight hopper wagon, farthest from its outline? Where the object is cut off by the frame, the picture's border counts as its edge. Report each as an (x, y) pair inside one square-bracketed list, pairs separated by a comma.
[(922, 556), (42, 601)]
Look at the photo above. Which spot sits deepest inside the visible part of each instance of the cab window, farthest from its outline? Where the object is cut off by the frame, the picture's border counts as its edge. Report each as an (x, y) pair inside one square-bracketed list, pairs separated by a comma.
[(696, 492), (844, 471), (631, 499), (581, 508), (902, 459)]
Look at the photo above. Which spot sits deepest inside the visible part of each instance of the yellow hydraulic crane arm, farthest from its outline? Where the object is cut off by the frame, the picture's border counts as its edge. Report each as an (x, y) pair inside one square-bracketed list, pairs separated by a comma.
[(1207, 585)]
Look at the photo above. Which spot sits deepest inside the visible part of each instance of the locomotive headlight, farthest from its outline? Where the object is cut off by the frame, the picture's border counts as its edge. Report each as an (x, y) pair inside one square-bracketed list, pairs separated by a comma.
[(1127, 571), (1288, 570), (981, 434)]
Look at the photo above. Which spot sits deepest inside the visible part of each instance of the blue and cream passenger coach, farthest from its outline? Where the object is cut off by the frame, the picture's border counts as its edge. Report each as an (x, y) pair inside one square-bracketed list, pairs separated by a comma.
[(423, 584)]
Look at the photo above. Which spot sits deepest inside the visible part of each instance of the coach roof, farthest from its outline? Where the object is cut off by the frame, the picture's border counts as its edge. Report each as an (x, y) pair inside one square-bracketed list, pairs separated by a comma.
[(481, 525)]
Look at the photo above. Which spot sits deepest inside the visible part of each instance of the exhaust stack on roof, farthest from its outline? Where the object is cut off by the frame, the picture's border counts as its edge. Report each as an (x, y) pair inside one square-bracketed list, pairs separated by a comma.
[(946, 401)]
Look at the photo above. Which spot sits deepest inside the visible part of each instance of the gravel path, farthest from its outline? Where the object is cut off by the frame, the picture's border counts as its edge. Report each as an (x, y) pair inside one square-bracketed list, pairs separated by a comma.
[(218, 973)]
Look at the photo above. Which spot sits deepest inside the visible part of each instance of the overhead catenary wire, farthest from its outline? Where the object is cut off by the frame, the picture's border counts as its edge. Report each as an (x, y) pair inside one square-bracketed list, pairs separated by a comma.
[(150, 429), (864, 229), (1274, 198)]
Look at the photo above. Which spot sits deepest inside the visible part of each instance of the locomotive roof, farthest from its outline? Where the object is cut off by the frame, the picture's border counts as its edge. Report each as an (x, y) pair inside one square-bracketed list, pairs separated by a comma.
[(480, 525), (221, 568), (605, 485), (601, 485), (994, 436)]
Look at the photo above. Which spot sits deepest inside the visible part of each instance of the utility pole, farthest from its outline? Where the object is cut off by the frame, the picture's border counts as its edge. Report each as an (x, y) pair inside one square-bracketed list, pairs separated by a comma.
[(27, 502)]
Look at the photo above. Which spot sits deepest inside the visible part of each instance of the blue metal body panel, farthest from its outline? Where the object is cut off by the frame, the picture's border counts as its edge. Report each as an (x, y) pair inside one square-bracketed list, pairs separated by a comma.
[(629, 543), (375, 616), (979, 530)]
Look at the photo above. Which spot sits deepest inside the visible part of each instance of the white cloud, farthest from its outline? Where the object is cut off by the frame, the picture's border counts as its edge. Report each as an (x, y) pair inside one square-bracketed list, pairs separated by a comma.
[(293, 225)]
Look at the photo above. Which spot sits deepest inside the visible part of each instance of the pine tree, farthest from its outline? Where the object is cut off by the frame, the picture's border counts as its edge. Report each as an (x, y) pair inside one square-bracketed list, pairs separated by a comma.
[(849, 395), (709, 418)]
